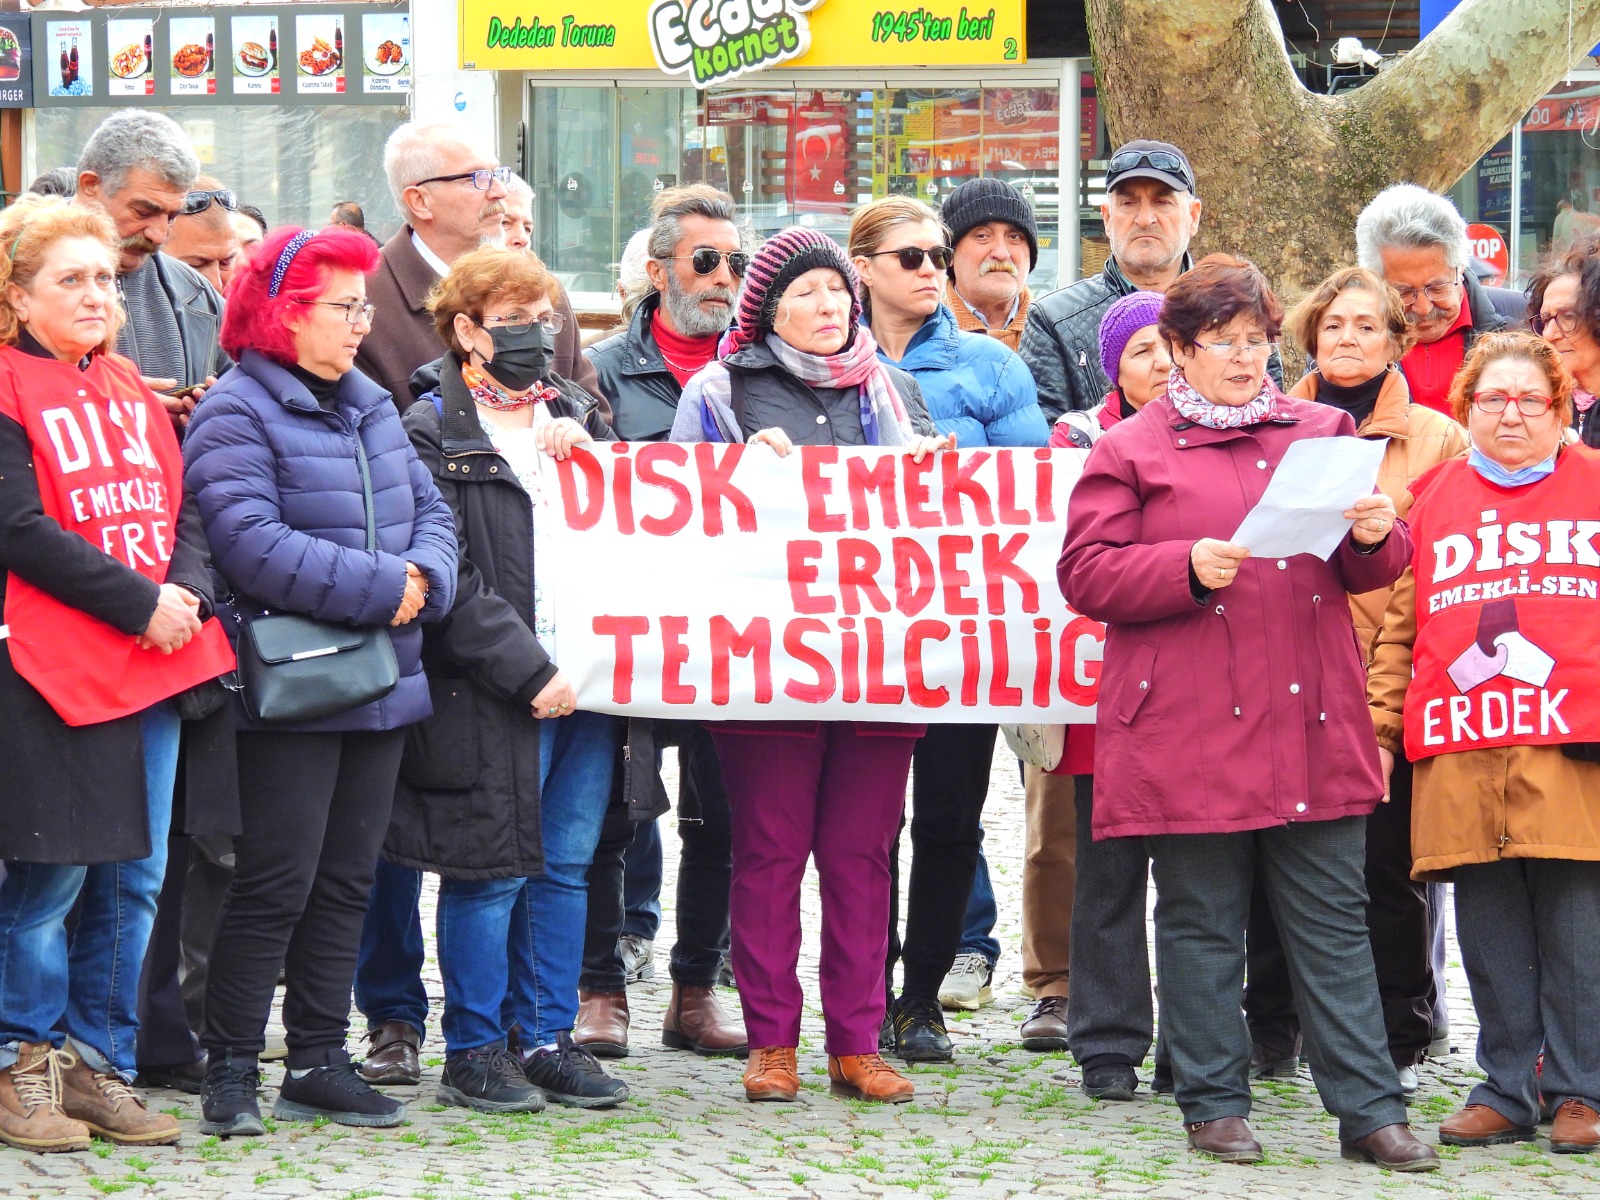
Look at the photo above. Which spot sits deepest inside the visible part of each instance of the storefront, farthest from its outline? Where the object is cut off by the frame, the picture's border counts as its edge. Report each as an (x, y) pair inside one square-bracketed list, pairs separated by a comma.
[(802, 109), (286, 104)]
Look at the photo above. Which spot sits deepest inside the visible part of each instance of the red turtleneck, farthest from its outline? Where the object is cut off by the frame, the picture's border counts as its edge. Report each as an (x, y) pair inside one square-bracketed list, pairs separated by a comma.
[(683, 355)]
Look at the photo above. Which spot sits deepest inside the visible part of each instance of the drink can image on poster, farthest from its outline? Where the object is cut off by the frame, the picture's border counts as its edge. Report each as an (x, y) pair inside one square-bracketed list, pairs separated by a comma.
[(129, 45), (386, 45), (255, 56), (193, 44), (319, 52), (72, 43)]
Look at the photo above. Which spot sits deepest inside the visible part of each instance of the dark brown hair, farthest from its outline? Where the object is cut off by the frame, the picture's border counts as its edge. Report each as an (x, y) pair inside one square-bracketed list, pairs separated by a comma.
[(1582, 260), (1215, 291)]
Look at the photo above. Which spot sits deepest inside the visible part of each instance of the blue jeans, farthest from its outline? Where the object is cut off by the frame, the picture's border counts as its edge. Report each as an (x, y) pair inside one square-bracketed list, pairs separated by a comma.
[(641, 881), (388, 984), (90, 987), (978, 934)]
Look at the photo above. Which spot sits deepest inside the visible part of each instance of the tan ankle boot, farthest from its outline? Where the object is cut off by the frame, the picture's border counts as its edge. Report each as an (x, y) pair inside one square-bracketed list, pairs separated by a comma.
[(30, 1104), (771, 1074), (109, 1107), (867, 1077), (696, 1021)]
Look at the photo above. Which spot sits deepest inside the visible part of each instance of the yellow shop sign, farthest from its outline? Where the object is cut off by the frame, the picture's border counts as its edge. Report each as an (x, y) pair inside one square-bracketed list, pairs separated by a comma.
[(711, 42)]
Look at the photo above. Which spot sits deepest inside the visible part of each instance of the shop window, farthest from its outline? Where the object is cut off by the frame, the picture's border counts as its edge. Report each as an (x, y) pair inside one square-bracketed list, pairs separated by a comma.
[(1560, 139)]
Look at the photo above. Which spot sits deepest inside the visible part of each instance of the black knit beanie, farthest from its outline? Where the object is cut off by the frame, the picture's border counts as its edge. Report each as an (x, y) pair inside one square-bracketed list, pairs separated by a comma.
[(979, 201)]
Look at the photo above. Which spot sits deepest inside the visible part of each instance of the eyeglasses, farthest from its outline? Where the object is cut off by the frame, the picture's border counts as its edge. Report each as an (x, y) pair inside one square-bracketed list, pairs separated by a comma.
[(355, 311), (1227, 350), (1438, 293), (195, 203), (1530, 405), (481, 178), (705, 261), (1566, 321), (911, 257), (1160, 160), (521, 322)]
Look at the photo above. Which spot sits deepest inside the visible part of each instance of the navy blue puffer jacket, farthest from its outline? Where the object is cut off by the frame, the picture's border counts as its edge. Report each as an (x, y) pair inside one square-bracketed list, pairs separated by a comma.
[(279, 490)]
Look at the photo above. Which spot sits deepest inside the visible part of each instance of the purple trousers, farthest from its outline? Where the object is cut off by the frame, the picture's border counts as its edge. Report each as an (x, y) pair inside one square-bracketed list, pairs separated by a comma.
[(835, 792)]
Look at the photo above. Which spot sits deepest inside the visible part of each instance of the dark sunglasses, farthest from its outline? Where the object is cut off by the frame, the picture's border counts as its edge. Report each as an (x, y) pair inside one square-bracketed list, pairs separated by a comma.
[(706, 260), (198, 202), (911, 257), (1160, 160)]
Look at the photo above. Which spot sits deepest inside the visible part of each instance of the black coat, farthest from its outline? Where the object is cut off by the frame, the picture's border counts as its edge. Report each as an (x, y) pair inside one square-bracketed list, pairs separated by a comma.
[(75, 794), (633, 375)]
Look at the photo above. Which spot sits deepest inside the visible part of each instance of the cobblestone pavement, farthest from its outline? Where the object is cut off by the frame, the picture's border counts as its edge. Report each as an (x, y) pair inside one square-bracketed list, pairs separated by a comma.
[(1000, 1122)]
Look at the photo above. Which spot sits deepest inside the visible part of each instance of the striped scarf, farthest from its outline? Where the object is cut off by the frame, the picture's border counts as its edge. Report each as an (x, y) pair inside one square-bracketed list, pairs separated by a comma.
[(857, 366)]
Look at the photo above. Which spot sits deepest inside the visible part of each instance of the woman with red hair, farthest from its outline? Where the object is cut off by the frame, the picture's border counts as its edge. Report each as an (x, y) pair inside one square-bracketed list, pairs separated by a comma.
[(314, 504)]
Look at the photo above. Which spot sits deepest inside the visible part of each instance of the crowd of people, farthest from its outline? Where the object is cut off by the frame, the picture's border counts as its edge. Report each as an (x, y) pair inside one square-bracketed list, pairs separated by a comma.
[(277, 646)]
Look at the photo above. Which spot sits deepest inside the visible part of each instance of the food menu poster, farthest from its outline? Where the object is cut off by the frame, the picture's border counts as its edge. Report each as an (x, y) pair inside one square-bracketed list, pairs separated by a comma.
[(16, 61), (266, 54)]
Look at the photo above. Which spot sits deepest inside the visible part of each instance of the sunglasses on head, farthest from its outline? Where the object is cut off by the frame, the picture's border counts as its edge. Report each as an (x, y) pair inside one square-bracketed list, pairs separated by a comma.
[(1160, 160), (911, 256), (198, 202), (706, 260)]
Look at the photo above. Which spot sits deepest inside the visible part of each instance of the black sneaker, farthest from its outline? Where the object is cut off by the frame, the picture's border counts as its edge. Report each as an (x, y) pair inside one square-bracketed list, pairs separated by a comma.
[(339, 1093), (228, 1105), (919, 1032), (1110, 1081), (488, 1079), (570, 1075)]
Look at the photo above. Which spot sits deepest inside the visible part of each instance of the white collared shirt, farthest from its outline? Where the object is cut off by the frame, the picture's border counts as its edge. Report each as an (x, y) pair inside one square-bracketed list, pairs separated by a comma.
[(440, 267)]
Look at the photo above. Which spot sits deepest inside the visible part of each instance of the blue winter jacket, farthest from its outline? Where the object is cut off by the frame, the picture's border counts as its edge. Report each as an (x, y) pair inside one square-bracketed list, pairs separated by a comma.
[(279, 489), (974, 387)]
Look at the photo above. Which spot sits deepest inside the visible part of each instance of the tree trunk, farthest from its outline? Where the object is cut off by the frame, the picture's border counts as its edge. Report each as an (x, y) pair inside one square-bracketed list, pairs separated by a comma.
[(1284, 173)]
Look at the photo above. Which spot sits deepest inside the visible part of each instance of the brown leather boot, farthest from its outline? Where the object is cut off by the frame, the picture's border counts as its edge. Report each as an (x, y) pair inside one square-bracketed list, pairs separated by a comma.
[(867, 1077), (109, 1107), (30, 1104), (602, 1024), (696, 1021), (771, 1074)]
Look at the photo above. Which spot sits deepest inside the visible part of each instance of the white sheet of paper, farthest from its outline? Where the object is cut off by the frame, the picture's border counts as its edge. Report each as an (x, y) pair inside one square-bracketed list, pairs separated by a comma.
[(1302, 510)]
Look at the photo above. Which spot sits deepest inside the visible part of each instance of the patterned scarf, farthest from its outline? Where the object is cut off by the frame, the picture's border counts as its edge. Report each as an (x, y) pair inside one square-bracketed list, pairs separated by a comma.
[(1584, 400), (858, 366), (1192, 406), (490, 394)]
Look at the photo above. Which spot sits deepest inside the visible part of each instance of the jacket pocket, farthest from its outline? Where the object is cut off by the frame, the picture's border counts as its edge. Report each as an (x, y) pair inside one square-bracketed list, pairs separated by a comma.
[(441, 752), (1138, 679)]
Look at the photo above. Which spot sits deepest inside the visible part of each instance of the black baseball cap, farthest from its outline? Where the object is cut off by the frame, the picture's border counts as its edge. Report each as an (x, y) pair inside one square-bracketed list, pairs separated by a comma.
[(1161, 161)]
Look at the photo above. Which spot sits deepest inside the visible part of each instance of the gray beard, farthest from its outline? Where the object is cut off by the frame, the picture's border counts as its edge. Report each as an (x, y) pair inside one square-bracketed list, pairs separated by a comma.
[(688, 317)]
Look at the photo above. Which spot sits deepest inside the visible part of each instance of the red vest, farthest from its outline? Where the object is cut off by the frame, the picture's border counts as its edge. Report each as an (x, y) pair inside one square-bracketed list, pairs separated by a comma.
[(109, 470), (1508, 609)]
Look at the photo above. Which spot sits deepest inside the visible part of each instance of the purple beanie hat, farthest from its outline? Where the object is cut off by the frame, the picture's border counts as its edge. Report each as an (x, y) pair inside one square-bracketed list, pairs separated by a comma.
[(782, 259), (1122, 320)]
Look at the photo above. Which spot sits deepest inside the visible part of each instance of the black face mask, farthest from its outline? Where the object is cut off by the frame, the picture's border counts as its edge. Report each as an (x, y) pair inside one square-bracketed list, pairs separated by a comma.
[(521, 355)]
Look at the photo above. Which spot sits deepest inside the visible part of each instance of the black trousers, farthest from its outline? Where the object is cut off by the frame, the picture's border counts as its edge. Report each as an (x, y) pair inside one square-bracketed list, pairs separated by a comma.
[(1397, 925), (949, 784), (315, 809), (705, 866)]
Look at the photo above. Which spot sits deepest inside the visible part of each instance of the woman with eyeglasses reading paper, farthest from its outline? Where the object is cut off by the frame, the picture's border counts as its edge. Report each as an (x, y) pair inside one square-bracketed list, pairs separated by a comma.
[(1498, 616), (979, 394), (1232, 732)]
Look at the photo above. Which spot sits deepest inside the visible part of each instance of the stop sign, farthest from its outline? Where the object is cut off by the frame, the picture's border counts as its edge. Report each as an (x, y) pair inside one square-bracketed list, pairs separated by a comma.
[(1488, 246)]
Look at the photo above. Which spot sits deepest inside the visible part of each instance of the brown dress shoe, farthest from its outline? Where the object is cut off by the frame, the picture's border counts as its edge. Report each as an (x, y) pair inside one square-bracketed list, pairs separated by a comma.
[(1576, 1129), (1046, 1026), (392, 1054), (771, 1074), (1480, 1125), (867, 1077), (1394, 1147), (1227, 1139), (30, 1104), (110, 1108), (602, 1024), (696, 1021)]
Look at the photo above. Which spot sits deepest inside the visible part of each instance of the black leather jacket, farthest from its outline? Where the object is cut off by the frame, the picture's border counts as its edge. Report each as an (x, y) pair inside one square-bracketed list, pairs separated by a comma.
[(633, 375)]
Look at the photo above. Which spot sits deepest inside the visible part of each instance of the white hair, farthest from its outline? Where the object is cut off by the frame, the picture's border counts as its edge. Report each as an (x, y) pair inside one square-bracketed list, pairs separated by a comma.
[(412, 153), (519, 190), (631, 274), (1409, 217), (137, 139)]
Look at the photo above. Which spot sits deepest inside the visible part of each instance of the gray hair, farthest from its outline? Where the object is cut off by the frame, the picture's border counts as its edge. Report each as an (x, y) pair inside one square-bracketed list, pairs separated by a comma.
[(520, 190), (671, 205), (412, 154), (137, 139), (1406, 216)]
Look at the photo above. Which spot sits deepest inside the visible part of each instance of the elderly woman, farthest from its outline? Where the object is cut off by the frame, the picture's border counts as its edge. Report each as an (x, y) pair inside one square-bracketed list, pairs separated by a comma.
[(108, 618), (980, 394), (799, 368), (506, 810), (1231, 732), (1483, 677), (1564, 309), (314, 504), (1354, 327), (1136, 360)]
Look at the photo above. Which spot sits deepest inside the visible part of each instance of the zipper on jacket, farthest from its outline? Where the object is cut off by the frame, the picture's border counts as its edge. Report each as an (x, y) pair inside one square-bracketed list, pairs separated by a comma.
[(1233, 685), (1316, 625)]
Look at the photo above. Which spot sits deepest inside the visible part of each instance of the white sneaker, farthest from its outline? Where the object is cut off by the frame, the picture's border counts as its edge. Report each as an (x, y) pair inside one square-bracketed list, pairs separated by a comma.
[(967, 984)]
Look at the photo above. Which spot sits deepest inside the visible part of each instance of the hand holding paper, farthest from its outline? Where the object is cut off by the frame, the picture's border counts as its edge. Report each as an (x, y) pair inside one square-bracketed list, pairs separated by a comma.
[(1302, 510)]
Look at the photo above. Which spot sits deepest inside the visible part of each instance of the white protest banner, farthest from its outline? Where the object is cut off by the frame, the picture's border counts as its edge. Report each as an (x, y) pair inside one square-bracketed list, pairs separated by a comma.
[(719, 582)]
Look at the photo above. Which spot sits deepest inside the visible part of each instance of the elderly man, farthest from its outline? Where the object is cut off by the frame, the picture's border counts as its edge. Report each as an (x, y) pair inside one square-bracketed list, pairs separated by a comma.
[(695, 259), (519, 214), (996, 242), (138, 168), (1418, 242), (202, 234)]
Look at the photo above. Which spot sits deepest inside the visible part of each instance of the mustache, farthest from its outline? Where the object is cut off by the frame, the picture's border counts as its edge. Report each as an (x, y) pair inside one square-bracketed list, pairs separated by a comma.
[(495, 208), (724, 294), (139, 244), (1433, 314), (997, 264)]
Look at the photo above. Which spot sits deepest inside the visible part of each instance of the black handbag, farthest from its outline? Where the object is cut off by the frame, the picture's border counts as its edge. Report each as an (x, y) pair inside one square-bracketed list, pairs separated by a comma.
[(295, 668)]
